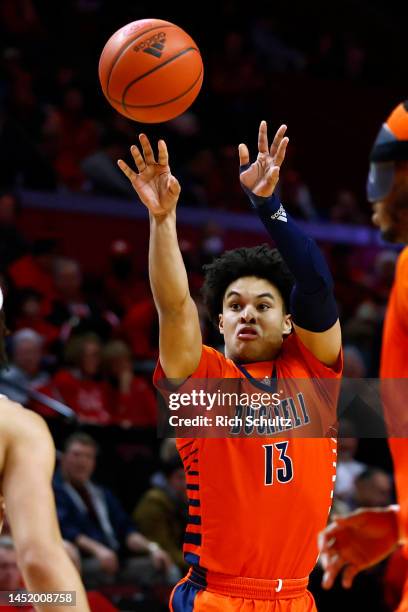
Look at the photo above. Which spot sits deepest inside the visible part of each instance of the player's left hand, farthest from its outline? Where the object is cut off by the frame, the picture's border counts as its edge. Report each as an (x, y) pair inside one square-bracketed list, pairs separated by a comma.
[(262, 175), (357, 541)]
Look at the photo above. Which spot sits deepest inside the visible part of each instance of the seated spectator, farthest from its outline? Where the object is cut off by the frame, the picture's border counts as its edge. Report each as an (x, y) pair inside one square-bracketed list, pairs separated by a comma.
[(28, 314), (373, 488), (348, 469), (123, 286), (90, 516), (81, 387), (161, 514), (11, 579), (70, 309), (25, 371), (34, 270), (140, 330), (131, 395), (12, 244)]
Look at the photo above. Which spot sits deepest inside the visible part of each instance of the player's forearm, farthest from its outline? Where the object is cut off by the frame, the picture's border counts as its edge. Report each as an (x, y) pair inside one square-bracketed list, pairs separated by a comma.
[(168, 276), (312, 303), (48, 571)]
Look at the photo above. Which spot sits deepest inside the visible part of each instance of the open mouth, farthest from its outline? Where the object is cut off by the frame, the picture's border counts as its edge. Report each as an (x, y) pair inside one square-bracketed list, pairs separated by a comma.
[(247, 333)]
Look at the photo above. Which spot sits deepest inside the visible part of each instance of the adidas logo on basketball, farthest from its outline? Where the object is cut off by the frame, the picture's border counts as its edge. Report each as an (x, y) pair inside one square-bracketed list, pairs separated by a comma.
[(153, 45), (280, 214)]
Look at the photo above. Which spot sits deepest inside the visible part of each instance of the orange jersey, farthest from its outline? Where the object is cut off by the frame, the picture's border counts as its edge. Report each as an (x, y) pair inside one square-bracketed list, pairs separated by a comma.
[(256, 505), (394, 365)]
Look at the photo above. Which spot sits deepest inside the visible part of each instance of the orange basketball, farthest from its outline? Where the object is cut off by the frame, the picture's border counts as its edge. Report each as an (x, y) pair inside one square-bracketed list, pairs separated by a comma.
[(151, 70)]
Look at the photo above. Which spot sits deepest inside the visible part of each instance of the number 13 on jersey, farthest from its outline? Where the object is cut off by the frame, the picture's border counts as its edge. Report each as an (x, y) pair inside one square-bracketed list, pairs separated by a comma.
[(278, 464)]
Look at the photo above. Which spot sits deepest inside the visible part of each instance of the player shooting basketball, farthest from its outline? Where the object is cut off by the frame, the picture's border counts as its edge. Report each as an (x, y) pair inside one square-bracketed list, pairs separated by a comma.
[(27, 459), (365, 537), (245, 540)]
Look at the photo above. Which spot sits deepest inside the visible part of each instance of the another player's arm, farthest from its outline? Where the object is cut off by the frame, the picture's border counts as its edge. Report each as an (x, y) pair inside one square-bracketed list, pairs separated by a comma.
[(357, 541), (313, 307), (28, 465), (180, 333)]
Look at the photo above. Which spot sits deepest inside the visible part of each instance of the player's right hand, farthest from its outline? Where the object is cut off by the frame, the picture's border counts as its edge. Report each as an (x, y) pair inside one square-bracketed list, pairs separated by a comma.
[(153, 182), (357, 541), (108, 559)]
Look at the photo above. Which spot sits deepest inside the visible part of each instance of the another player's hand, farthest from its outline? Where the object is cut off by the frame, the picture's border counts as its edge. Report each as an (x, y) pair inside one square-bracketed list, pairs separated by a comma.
[(153, 182), (357, 541), (262, 175)]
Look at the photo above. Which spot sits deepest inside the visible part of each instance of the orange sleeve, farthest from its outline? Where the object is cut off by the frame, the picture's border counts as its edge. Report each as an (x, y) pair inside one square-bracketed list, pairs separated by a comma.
[(401, 287), (212, 365), (317, 368)]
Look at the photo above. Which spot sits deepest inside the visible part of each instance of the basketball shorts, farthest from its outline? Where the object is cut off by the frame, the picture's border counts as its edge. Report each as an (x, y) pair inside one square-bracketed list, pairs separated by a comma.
[(211, 592)]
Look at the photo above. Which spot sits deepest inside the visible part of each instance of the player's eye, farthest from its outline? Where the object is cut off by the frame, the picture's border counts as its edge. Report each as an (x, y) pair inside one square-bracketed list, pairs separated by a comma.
[(262, 307), (235, 306)]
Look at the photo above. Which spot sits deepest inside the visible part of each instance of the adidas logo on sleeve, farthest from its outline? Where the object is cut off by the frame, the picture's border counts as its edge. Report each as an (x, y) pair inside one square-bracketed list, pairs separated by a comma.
[(280, 215)]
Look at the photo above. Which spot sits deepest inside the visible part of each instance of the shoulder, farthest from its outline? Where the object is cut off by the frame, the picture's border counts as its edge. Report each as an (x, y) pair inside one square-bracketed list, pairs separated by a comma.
[(300, 362)]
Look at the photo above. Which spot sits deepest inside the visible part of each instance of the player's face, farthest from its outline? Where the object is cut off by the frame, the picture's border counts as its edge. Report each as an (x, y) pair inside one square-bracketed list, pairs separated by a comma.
[(253, 321), (391, 213)]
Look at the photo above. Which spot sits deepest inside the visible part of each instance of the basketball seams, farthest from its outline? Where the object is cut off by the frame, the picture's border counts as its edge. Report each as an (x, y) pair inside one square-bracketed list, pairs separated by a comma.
[(169, 60), (125, 47), (130, 106)]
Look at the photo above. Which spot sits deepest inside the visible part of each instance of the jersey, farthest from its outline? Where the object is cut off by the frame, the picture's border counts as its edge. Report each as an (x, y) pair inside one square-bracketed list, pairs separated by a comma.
[(256, 505), (394, 365)]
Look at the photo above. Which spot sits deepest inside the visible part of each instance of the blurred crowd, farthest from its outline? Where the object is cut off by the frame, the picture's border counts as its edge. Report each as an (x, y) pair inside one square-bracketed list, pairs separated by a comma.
[(91, 342)]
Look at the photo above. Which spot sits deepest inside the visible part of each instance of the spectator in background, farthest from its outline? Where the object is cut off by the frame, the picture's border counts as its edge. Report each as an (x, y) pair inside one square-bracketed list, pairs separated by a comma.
[(140, 329), (92, 517), (81, 386), (373, 489), (70, 309), (35, 271), (348, 469), (161, 514), (28, 315), (11, 579), (132, 397), (123, 286), (12, 244), (25, 371), (101, 170), (72, 135)]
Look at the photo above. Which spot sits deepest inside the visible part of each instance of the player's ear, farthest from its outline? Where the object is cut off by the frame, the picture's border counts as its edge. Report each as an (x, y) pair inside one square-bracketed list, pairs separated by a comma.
[(286, 324), (221, 324)]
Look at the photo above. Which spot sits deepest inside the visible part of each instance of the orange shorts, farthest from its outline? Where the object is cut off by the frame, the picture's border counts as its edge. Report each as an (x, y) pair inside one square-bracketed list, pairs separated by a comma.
[(210, 592)]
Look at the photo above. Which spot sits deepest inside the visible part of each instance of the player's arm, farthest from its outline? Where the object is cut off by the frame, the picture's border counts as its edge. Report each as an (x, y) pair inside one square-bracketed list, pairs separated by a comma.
[(357, 541), (180, 334), (313, 307), (28, 465)]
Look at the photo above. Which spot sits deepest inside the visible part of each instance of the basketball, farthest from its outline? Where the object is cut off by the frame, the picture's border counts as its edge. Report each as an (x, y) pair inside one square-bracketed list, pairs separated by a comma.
[(151, 70)]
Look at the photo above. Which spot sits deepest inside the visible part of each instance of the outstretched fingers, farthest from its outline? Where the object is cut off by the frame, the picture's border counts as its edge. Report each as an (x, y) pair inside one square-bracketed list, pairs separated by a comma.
[(281, 152), (163, 153), (147, 149), (277, 140), (243, 154), (128, 172), (138, 158), (263, 138)]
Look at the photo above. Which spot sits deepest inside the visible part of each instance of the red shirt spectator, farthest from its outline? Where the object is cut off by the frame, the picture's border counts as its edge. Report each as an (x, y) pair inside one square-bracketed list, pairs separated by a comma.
[(81, 387), (132, 396), (140, 329)]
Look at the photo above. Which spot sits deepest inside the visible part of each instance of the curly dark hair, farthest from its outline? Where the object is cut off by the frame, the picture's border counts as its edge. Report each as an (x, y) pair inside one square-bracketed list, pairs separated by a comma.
[(260, 261)]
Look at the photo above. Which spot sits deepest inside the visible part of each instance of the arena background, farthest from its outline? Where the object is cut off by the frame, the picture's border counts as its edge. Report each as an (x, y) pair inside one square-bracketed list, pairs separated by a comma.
[(331, 71)]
